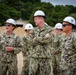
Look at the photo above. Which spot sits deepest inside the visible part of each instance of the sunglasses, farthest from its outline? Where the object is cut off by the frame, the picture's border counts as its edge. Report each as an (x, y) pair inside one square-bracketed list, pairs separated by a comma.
[(26, 30), (64, 25), (8, 25)]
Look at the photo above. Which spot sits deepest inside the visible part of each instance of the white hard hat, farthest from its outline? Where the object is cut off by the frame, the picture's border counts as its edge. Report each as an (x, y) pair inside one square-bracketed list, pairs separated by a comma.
[(39, 13), (58, 26), (28, 26), (12, 21), (70, 20)]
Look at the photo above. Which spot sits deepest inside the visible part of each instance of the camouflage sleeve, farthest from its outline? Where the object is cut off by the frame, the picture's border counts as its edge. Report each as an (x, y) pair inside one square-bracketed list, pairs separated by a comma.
[(18, 45), (31, 39), (24, 45), (56, 45), (74, 41), (1, 43), (42, 40)]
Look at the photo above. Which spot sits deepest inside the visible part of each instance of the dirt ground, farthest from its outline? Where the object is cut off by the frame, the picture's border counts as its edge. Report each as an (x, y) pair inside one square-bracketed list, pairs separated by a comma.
[(20, 62)]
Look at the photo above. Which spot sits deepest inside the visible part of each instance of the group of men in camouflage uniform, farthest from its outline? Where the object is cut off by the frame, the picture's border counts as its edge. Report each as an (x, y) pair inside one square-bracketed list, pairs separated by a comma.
[(41, 49), (65, 45), (45, 45)]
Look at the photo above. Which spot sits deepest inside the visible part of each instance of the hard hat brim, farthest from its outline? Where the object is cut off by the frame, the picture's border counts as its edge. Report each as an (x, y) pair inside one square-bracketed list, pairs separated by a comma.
[(9, 23)]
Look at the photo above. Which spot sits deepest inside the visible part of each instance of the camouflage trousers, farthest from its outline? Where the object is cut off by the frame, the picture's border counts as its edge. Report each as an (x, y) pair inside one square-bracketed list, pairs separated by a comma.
[(25, 68), (68, 72), (40, 66), (56, 64), (8, 68)]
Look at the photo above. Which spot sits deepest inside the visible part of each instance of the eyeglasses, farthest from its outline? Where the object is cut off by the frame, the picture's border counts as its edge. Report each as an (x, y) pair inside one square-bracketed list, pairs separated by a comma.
[(26, 30), (64, 25), (8, 25)]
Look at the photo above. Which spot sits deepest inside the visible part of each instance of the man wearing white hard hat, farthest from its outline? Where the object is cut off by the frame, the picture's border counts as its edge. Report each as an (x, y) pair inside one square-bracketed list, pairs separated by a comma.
[(68, 47), (40, 59), (10, 46), (58, 28), (56, 58), (26, 48), (28, 26), (68, 55), (11, 21)]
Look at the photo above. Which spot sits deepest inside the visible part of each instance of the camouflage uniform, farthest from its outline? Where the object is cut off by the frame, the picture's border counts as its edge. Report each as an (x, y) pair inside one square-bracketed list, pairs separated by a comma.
[(56, 58), (40, 55), (8, 60), (25, 52), (68, 55), (74, 30)]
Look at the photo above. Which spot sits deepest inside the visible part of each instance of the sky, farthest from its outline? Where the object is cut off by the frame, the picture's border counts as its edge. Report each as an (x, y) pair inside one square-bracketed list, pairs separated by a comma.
[(61, 2)]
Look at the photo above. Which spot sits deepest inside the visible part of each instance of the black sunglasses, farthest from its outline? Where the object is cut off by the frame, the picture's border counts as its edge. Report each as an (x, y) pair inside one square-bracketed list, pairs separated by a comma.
[(26, 30), (8, 25), (64, 25)]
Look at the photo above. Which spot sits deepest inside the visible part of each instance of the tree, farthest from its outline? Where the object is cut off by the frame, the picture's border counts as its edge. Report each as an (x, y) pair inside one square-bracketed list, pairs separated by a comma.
[(33, 1), (27, 10), (8, 12)]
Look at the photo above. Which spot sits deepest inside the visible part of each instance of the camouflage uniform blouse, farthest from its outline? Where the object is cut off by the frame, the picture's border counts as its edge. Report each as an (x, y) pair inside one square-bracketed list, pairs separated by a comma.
[(68, 55), (26, 46), (67, 45), (9, 40), (41, 45)]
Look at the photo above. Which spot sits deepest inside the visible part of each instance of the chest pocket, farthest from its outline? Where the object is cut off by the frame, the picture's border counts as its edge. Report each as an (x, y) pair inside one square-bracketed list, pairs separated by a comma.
[(42, 33), (68, 43), (9, 41)]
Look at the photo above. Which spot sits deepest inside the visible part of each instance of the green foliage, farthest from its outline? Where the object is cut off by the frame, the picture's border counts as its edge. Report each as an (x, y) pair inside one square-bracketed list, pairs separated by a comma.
[(17, 4), (25, 9), (73, 15), (32, 1), (8, 12)]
